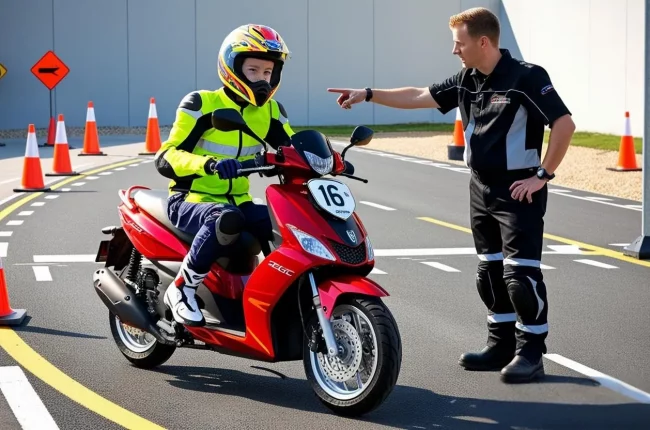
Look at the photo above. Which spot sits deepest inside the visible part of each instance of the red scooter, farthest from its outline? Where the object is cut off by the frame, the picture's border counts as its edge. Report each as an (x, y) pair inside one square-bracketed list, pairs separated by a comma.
[(302, 296)]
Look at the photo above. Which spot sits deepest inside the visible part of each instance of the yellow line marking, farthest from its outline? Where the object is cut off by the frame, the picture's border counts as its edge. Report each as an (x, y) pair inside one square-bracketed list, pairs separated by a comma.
[(41, 368), (47, 372), (590, 249)]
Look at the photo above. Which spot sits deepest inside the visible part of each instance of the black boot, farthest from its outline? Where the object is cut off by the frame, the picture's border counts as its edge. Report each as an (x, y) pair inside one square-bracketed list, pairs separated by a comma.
[(490, 358), (521, 369)]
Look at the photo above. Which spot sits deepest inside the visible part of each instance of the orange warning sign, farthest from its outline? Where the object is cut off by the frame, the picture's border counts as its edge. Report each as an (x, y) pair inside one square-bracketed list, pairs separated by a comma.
[(3, 71), (50, 70)]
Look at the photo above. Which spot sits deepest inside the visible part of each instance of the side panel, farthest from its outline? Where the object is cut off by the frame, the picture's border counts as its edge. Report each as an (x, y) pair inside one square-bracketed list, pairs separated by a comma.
[(331, 289), (150, 238)]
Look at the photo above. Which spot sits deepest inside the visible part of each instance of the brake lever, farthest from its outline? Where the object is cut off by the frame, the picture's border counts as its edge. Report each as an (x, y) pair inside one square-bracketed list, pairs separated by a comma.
[(365, 181)]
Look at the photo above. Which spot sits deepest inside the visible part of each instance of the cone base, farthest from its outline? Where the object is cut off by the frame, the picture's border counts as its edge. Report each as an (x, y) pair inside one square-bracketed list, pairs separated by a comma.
[(623, 169), (63, 174), (147, 153), (16, 317), (455, 152), (32, 190), (639, 249), (81, 154)]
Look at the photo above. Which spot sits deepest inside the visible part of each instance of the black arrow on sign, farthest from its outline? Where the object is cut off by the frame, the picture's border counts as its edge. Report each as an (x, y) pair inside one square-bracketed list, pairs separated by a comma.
[(51, 70)]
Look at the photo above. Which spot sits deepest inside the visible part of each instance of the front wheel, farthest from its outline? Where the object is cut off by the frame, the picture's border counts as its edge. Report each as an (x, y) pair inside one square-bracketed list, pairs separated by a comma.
[(139, 347), (364, 373)]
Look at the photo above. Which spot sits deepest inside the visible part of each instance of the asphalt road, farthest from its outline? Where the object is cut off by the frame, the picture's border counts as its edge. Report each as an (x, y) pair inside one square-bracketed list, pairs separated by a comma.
[(598, 316)]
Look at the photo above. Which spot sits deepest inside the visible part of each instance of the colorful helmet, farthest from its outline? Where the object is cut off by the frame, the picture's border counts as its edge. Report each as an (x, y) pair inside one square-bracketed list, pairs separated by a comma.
[(252, 40)]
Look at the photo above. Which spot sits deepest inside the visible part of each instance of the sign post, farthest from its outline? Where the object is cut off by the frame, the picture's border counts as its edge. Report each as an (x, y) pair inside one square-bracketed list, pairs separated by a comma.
[(640, 248), (3, 72), (50, 70)]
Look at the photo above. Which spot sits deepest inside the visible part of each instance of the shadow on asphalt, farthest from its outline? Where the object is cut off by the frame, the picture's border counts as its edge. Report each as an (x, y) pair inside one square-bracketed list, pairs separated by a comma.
[(25, 327), (410, 407)]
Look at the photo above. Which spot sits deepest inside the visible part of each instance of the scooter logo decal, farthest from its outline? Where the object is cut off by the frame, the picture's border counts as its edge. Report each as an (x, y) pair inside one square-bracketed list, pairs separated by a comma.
[(280, 268), (352, 236)]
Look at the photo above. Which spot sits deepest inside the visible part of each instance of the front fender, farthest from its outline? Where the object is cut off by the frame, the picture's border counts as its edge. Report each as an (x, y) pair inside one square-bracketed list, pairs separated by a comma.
[(331, 289)]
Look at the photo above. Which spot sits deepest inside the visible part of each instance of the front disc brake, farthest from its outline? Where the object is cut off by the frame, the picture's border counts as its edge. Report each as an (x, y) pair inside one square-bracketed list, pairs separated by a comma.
[(344, 366)]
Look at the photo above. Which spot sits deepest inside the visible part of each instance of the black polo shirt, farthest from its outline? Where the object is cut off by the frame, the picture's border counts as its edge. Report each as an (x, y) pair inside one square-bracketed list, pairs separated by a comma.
[(503, 114)]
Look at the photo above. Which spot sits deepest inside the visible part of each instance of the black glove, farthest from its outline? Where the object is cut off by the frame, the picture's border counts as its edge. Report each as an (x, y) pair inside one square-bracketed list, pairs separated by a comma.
[(226, 169)]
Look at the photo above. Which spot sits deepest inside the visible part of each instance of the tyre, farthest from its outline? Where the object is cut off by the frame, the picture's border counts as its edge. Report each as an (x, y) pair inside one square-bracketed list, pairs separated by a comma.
[(139, 347), (370, 356)]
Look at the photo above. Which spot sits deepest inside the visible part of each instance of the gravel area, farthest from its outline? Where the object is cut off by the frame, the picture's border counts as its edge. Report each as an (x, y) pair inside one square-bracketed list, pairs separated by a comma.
[(582, 168)]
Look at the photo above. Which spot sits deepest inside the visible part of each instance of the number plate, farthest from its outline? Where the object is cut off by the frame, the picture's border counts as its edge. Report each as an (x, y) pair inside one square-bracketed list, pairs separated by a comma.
[(333, 196)]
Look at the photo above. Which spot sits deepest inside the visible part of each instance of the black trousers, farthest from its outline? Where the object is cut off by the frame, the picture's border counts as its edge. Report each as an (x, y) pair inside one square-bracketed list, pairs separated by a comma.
[(508, 238)]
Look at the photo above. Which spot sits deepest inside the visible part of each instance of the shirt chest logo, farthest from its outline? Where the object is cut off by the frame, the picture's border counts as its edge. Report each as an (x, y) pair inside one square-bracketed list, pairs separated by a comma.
[(497, 99)]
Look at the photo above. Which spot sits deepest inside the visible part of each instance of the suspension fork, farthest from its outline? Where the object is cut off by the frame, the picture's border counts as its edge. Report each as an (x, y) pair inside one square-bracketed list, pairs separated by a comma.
[(326, 326)]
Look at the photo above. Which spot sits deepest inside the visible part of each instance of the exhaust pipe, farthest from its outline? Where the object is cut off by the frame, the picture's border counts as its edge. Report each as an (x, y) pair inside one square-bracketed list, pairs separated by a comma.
[(119, 299)]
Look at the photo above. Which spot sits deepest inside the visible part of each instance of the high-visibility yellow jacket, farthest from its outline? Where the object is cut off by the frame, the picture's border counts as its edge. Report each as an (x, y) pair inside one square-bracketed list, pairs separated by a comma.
[(193, 143)]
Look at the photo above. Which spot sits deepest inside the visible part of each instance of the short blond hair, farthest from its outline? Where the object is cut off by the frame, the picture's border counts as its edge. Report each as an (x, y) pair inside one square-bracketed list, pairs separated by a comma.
[(480, 22)]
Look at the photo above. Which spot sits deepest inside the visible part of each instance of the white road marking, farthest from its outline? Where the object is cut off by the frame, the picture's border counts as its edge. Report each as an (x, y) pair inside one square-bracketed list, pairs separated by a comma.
[(52, 197), (440, 266), (619, 244), (418, 252), (376, 271), (38, 204), (78, 258), (92, 178), (602, 199), (42, 273), (3, 249), (28, 408), (9, 180), (105, 173), (78, 184), (119, 169), (134, 165), (25, 213), (6, 233), (604, 380), (596, 263), (545, 267), (147, 161), (11, 197), (376, 205), (258, 201), (16, 222), (66, 189)]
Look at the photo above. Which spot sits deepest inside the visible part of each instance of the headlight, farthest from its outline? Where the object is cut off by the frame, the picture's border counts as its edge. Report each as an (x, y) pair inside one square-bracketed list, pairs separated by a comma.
[(369, 250), (310, 244), (322, 165)]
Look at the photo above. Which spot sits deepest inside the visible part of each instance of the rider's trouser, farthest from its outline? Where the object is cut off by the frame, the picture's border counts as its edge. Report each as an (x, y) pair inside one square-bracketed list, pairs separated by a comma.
[(508, 237), (215, 226)]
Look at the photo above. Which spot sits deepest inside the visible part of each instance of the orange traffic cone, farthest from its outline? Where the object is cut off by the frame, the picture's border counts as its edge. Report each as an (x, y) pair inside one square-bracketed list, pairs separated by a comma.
[(152, 140), (51, 130), (91, 137), (32, 173), (626, 152), (61, 165), (456, 150), (8, 316)]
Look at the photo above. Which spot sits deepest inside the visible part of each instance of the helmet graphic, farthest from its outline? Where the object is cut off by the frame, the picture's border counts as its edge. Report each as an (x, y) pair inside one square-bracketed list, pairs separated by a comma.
[(252, 40)]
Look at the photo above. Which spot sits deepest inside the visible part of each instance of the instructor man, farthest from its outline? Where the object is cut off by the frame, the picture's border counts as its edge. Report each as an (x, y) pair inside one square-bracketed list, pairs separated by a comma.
[(504, 104)]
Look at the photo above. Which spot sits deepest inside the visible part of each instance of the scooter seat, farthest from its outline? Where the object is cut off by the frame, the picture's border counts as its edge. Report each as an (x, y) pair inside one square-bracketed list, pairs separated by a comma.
[(154, 202)]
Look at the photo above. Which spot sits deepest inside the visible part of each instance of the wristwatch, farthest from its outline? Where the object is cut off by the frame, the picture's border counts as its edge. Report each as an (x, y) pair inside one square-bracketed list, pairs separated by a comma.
[(543, 174), (368, 94)]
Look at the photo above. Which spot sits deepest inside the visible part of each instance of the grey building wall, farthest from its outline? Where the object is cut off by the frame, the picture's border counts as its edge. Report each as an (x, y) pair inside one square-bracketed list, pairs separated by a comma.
[(166, 48)]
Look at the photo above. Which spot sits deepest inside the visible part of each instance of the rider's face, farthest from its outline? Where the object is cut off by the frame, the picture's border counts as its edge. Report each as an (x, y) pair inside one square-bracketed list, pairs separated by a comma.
[(256, 69)]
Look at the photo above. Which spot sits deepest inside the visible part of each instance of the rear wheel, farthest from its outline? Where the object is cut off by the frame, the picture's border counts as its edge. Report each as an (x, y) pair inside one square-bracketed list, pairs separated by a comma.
[(364, 373), (139, 347)]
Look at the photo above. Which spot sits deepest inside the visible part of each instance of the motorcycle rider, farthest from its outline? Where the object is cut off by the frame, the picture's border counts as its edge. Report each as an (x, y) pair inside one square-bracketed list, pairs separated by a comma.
[(207, 197)]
